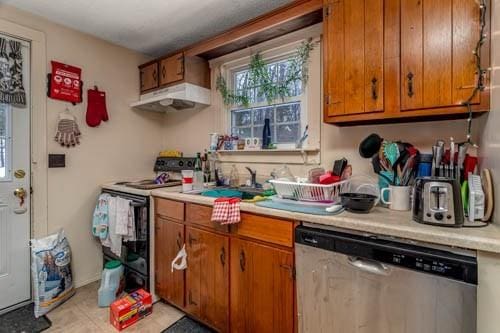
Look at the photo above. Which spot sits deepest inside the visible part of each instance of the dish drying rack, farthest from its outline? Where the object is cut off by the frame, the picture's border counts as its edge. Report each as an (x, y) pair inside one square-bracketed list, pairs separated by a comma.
[(314, 193)]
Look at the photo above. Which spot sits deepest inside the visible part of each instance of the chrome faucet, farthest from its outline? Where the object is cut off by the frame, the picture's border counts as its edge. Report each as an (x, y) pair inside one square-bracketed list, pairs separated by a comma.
[(253, 174)]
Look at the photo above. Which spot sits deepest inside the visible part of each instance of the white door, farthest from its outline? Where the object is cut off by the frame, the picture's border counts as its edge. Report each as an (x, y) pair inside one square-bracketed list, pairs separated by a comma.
[(15, 214)]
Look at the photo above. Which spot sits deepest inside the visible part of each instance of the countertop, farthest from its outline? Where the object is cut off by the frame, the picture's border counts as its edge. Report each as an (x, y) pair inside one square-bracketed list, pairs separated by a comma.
[(381, 221)]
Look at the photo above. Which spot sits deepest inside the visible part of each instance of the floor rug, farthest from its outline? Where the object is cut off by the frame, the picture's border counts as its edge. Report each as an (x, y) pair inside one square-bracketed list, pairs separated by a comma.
[(188, 325), (22, 320)]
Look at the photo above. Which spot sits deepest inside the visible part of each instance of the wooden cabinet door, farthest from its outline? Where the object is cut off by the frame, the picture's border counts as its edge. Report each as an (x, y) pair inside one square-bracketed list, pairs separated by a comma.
[(169, 239), (262, 288), (437, 64), (172, 69), (353, 56), (207, 277), (149, 77)]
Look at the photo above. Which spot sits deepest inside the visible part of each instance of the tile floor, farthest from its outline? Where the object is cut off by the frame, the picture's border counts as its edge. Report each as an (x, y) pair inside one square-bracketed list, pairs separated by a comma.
[(81, 314)]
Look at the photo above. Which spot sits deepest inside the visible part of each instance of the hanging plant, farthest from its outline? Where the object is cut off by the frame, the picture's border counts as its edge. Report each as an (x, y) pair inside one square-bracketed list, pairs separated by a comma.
[(260, 79)]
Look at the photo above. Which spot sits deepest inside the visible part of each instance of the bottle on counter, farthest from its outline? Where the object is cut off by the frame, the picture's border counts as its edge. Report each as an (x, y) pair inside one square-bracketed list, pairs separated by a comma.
[(266, 134), (234, 178), (198, 173)]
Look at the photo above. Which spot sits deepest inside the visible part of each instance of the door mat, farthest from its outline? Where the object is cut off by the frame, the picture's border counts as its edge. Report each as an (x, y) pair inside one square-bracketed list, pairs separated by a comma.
[(188, 325), (23, 320)]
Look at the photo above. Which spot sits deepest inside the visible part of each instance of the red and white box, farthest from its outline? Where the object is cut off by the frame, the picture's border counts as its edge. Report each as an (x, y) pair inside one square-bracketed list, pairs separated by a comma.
[(131, 308)]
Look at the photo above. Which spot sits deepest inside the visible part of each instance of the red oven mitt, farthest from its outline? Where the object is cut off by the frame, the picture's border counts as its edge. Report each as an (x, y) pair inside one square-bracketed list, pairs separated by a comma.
[(96, 107)]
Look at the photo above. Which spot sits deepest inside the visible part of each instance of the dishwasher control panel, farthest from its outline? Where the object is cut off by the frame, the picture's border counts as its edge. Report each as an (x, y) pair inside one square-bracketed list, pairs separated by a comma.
[(418, 258)]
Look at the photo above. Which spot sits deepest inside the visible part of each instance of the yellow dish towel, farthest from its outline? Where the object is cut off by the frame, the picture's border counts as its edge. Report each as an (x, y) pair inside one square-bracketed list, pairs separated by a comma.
[(257, 198)]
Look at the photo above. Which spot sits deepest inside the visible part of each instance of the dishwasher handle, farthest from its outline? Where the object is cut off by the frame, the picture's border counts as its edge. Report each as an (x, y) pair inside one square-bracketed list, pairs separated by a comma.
[(370, 266)]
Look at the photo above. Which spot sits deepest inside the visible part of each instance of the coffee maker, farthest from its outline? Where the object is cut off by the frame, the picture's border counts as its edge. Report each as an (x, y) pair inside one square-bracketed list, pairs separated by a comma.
[(437, 201)]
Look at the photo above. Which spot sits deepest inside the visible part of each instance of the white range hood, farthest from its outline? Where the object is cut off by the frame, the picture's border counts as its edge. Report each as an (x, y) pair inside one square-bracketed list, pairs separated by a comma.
[(179, 97)]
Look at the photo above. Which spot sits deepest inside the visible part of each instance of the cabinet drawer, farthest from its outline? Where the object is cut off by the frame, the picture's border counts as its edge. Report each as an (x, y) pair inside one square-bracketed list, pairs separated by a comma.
[(170, 209), (266, 229), (202, 216)]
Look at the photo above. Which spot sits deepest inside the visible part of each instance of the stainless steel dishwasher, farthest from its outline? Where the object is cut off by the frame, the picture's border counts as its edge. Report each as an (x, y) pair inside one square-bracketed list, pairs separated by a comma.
[(350, 283)]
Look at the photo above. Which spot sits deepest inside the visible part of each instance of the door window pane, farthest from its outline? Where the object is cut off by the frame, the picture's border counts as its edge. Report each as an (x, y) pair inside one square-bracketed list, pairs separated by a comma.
[(4, 140)]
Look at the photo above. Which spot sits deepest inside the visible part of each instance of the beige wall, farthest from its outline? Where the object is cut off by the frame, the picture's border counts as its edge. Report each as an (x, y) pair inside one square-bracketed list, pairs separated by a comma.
[(189, 131), (490, 140), (123, 147)]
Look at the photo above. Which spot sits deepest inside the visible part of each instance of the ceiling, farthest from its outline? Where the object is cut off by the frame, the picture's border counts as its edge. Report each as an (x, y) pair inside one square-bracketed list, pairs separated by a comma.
[(152, 27)]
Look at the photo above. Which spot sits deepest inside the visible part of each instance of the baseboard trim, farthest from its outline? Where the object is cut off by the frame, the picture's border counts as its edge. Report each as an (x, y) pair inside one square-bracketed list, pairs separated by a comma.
[(95, 278)]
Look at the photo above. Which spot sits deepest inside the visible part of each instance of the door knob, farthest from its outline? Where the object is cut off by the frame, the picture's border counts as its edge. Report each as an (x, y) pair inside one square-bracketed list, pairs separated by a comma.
[(20, 193)]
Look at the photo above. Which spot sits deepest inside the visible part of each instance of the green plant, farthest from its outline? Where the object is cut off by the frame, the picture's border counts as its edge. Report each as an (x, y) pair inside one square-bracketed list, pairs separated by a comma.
[(262, 81)]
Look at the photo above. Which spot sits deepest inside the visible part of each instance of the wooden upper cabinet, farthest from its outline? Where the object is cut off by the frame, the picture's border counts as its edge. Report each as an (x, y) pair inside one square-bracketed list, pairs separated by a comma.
[(207, 277), (169, 239), (172, 69), (390, 59), (175, 69), (353, 56), (262, 288), (148, 77), (437, 64)]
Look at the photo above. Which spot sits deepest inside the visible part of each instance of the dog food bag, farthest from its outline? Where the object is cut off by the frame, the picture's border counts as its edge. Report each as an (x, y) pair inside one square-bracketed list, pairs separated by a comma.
[(51, 272)]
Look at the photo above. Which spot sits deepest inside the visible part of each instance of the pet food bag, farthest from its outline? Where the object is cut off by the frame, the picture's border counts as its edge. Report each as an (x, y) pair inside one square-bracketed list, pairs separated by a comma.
[(51, 272)]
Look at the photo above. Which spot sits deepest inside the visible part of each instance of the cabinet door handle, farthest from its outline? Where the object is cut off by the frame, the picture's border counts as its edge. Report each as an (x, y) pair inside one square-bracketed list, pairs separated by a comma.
[(179, 240), (290, 269), (243, 261), (190, 299), (222, 256), (181, 60), (191, 240), (154, 75), (374, 88), (410, 84), (163, 71)]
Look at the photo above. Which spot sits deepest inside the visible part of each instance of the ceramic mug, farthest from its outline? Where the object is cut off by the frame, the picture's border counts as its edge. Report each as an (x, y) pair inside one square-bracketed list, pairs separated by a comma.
[(399, 197)]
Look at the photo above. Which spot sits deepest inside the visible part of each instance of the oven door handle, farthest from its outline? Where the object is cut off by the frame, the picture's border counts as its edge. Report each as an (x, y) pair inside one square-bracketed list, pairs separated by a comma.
[(369, 266)]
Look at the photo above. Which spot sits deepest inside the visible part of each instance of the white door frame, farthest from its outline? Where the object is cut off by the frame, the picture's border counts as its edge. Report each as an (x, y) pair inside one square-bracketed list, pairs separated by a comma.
[(39, 167)]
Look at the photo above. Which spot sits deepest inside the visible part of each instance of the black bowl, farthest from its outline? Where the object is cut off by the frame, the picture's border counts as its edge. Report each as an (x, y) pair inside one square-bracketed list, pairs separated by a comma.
[(358, 202)]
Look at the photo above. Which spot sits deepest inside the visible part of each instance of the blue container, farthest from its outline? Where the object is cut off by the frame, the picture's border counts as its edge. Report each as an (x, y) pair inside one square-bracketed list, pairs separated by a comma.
[(425, 166)]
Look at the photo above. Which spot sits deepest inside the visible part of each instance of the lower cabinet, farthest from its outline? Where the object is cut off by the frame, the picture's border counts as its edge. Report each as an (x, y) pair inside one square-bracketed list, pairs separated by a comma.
[(240, 279), (207, 277), (262, 288), (169, 238)]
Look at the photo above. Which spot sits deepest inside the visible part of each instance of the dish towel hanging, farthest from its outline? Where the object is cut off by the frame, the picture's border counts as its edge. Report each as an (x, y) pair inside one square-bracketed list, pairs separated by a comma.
[(11, 73), (226, 210)]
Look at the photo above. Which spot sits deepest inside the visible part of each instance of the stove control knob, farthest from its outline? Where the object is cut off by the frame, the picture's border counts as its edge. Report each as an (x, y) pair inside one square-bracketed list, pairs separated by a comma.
[(181, 163), (438, 216)]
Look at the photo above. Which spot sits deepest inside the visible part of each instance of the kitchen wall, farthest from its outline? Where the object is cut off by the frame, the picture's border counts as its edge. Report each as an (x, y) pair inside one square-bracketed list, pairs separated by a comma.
[(189, 131), (123, 147), (490, 139)]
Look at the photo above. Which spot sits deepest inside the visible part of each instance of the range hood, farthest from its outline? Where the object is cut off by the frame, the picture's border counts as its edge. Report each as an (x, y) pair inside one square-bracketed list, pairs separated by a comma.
[(179, 97)]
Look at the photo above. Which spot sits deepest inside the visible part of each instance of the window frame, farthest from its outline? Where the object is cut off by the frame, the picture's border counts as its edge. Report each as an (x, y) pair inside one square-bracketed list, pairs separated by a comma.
[(244, 63)]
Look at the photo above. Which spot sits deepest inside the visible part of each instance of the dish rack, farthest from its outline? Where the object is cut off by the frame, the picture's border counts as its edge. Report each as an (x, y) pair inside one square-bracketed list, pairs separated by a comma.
[(310, 192)]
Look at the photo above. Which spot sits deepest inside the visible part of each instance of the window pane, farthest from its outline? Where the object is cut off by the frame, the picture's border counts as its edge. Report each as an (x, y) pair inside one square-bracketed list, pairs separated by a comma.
[(288, 133), (288, 113), (262, 113), (257, 132), (242, 132), (241, 118), (3, 140)]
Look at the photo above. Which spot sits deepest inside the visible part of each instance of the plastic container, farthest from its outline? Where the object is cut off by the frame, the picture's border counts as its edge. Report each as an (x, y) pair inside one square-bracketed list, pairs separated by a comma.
[(425, 165), (187, 180), (111, 278)]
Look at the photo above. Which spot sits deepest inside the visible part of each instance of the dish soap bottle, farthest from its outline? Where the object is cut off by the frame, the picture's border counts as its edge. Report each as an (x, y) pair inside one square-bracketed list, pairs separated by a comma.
[(234, 178), (198, 173)]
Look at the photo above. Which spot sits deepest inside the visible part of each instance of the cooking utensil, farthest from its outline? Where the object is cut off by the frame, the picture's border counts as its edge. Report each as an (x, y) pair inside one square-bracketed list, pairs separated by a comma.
[(488, 194)]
